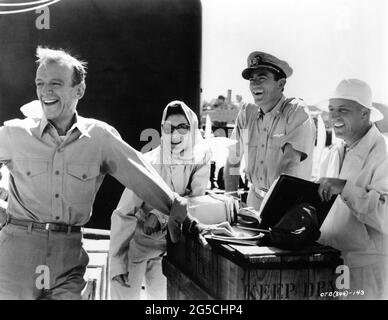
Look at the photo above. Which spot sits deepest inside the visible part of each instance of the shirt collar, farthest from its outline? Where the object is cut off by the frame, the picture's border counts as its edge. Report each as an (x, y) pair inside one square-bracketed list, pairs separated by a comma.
[(361, 147), (79, 123), (352, 146), (275, 110), (43, 124)]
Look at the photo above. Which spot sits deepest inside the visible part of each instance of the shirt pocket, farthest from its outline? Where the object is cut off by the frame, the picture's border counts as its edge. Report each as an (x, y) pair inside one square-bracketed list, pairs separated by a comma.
[(275, 141), (81, 182), (33, 175)]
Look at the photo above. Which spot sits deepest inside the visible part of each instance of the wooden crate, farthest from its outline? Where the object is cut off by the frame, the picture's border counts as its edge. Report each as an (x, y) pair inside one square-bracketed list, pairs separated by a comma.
[(223, 272)]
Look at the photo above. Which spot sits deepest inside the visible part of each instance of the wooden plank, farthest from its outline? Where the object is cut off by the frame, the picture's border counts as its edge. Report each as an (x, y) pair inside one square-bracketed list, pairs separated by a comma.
[(191, 257), (232, 280), (293, 281), (322, 279), (264, 284), (180, 286), (176, 252), (207, 269), (229, 272)]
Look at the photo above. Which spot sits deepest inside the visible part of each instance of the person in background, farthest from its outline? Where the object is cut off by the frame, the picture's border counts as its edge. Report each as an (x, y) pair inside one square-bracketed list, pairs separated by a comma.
[(220, 103), (239, 101), (276, 135), (356, 169), (138, 237)]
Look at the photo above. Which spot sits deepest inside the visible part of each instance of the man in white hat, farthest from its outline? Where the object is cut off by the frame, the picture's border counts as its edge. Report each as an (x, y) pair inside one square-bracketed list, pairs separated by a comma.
[(276, 135), (356, 169)]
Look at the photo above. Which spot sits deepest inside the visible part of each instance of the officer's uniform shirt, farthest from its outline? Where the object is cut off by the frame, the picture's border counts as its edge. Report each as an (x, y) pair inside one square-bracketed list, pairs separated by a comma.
[(262, 137)]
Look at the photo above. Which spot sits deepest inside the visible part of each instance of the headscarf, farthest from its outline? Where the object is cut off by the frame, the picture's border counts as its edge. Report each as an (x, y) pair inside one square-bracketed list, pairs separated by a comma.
[(192, 141), (191, 151)]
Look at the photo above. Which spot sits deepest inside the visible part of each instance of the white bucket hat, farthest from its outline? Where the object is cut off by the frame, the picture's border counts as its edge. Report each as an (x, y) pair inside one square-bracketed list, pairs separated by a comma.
[(358, 91)]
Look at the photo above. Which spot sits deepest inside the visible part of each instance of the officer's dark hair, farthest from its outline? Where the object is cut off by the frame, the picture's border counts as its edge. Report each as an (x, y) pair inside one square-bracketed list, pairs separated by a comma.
[(277, 75)]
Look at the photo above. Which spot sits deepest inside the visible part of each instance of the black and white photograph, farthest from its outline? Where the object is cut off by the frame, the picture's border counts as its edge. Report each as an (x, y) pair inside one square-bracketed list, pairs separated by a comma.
[(194, 155)]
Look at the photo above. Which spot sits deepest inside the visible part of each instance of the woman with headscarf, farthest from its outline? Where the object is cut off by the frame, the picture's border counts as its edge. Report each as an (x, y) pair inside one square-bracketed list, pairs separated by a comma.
[(138, 232)]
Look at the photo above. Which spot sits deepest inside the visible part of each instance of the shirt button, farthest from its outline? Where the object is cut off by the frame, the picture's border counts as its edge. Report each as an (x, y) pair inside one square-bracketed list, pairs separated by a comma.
[(56, 195), (262, 145), (56, 218), (261, 161), (265, 129), (84, 176), (57, 172), (261, 178), (28, 173)]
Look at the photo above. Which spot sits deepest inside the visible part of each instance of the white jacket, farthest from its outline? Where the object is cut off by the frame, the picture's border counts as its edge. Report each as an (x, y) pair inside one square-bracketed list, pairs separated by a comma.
[(357, 224)]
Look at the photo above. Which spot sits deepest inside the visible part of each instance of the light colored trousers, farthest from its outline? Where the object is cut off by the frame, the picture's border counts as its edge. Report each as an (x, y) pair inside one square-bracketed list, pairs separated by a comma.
[(144, 266), (155, 282), (371, 279), (40, 264)]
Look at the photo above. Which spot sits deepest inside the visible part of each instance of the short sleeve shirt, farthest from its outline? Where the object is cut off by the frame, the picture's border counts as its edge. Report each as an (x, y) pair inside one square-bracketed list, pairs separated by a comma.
[(262, 136)]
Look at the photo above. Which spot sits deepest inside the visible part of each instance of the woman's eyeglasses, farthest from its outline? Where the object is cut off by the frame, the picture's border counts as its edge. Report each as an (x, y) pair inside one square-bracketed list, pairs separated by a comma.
[(182, 128)]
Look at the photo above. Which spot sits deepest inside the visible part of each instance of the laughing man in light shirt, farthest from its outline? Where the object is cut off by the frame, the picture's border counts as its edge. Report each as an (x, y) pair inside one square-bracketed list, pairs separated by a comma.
[(356, 169)]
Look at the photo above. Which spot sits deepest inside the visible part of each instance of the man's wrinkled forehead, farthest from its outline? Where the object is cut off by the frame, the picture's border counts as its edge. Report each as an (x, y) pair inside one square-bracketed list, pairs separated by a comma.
[(59, 69), (337, 103)]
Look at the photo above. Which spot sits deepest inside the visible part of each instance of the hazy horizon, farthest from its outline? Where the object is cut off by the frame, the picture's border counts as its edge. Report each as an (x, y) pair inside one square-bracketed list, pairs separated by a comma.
[(324, 41)]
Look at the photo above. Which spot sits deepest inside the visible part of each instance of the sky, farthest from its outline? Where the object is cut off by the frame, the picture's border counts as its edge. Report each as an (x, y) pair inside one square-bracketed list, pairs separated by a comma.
[(324, 41)]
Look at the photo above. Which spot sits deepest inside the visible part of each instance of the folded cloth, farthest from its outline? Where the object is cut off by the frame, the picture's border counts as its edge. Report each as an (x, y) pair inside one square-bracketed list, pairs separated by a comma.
[(213, 208)]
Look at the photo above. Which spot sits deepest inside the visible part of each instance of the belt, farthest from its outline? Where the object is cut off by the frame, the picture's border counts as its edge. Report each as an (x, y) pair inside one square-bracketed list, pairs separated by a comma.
[(44, 226), (261, 192)]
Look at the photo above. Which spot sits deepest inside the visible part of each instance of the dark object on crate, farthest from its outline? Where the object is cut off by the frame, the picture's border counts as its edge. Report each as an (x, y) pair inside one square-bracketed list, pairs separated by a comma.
[(287, 192), (298, 227)]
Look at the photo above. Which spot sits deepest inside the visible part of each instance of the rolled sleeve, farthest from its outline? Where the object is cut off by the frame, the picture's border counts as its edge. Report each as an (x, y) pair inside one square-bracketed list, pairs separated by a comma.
[(236, 150), (300, 131)]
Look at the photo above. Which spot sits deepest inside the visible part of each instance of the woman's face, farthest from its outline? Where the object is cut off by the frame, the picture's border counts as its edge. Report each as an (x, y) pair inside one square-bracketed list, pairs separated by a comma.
[(177, 127)]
